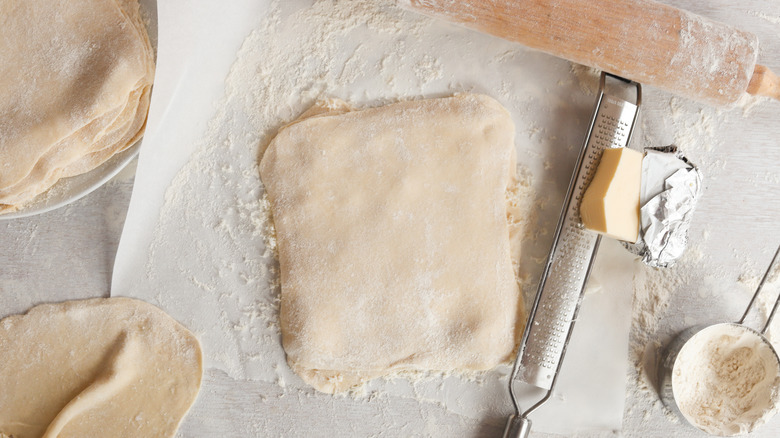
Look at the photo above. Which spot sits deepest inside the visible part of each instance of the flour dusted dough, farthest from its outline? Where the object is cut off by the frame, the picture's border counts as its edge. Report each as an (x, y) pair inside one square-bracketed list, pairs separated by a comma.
[(75, 78), (106, 367), (393, 244)]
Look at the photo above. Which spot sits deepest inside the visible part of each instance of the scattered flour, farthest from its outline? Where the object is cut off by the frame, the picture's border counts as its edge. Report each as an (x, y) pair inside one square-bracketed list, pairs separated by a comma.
[(587, 78), (213, 258), (774, 19), (224, 255), (289, 61)]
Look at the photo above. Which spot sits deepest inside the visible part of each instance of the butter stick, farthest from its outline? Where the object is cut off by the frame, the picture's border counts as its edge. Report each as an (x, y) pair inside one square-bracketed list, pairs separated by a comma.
[(610, 205)]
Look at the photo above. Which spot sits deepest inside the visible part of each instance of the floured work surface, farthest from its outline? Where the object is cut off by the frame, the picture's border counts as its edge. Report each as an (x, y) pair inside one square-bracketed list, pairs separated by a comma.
[(393, 243), (114, 367), (199, 244), (75, 78)]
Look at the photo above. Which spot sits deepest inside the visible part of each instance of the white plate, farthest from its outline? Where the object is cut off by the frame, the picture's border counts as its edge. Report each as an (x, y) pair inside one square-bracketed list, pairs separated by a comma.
[(72, 189), (68, 190)]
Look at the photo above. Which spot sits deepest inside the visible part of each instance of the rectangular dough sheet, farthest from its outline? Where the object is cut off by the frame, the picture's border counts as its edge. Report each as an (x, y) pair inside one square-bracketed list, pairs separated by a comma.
[(393, 242)]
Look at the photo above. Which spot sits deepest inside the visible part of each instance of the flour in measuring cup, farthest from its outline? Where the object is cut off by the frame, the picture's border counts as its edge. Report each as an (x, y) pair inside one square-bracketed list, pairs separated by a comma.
[(726, 379)]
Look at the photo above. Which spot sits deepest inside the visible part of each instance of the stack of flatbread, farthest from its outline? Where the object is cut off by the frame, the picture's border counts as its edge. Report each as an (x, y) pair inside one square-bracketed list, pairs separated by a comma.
[(75, 78)]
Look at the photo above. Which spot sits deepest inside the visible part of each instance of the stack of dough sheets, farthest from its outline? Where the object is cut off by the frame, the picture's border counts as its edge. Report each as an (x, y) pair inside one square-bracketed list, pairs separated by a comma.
[(75, 79)]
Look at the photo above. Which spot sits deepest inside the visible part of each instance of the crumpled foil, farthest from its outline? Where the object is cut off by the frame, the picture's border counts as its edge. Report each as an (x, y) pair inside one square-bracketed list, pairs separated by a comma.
[(671, 186)]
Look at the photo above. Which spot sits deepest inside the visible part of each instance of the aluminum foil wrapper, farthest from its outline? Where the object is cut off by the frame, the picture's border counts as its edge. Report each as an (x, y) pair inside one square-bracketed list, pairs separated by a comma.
[(671, 186)]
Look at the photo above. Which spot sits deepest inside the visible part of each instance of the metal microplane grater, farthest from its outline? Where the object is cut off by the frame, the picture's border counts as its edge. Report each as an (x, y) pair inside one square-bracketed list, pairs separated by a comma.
[(558, 298)]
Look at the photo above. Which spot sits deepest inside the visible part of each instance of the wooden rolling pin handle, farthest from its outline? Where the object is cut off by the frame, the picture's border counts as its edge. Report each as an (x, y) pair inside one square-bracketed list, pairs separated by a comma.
[(764, 83)]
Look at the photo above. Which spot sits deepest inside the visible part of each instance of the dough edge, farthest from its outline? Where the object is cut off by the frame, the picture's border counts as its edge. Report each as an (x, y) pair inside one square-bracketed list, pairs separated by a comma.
[(338, 381)]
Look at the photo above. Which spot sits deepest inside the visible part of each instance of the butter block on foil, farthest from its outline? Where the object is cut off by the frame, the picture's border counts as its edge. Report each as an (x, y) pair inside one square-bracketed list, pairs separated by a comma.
[(610, 205)]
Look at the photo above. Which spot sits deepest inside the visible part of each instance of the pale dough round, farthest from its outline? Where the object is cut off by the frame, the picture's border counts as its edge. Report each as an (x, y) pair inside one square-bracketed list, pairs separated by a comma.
[(393, 241), (75, 78), (105, 367)]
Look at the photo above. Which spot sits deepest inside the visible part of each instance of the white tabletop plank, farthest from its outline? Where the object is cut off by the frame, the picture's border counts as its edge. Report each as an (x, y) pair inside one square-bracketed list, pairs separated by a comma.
[(69, 254)]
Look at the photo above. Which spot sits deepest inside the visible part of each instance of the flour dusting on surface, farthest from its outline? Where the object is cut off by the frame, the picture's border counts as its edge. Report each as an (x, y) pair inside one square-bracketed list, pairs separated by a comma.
[(215, 236), (222, 248)]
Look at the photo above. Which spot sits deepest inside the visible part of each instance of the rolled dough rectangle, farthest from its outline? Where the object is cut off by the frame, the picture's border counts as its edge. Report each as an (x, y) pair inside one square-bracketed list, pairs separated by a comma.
[(393, 241)]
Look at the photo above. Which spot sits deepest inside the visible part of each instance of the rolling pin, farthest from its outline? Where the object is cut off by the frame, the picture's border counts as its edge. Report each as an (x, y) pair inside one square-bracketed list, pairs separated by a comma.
[(641, 40)]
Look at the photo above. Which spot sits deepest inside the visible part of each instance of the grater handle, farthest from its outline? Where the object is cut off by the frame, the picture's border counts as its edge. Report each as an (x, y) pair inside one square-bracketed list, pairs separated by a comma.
[(518, 426)]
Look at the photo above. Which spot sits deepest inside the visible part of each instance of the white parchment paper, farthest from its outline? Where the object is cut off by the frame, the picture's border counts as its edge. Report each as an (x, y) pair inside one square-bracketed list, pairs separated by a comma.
[(194, 241)]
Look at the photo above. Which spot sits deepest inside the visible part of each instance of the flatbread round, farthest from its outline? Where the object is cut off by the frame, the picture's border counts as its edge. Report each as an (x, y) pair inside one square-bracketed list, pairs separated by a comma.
[(114, 367)]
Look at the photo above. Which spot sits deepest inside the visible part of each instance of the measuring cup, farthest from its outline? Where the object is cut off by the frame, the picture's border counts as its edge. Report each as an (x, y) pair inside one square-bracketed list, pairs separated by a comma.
[(685, 345)]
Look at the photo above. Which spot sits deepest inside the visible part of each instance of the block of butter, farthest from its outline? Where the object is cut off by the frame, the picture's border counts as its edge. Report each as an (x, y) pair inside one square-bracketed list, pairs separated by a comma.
[(610, 205)]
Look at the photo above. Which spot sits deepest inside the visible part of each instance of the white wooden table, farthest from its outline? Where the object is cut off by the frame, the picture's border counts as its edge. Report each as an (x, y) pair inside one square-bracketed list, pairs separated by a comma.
[(69, 253)]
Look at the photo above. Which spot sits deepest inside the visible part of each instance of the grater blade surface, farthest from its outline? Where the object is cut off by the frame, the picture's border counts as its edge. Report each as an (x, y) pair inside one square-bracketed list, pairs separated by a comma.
[(569, 264)]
